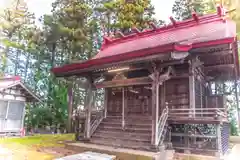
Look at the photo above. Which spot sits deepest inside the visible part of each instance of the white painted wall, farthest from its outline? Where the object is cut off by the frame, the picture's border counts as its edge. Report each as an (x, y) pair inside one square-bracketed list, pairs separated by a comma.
[(12, 108)]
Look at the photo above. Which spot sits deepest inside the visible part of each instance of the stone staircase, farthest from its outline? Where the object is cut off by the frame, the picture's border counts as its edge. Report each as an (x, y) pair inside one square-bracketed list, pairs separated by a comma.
[(135, 135)]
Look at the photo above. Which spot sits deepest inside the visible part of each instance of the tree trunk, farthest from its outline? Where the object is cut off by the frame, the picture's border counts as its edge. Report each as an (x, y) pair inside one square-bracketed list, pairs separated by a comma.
[(70, 107)]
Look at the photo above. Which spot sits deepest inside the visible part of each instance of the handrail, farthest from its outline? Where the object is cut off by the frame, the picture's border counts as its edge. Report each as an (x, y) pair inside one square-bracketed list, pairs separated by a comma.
[(161, 124), (95, 123), (188, 109), (199, 112)]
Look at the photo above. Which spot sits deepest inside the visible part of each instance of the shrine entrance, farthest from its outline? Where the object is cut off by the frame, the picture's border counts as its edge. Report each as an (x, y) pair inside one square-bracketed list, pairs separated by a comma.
[(134, 100)]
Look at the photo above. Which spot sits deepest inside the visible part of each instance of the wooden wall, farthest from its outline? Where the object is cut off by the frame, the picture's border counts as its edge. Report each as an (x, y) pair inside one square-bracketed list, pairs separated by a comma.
[(135, 103), (114, 101), (177, 94)]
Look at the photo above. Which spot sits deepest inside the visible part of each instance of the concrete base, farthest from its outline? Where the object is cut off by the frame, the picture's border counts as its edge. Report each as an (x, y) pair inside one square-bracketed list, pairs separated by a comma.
[(194, 157), (121, 153)]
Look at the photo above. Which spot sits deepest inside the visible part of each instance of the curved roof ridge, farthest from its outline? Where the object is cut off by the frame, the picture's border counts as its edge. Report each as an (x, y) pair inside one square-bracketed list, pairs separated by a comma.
[(108, 41)]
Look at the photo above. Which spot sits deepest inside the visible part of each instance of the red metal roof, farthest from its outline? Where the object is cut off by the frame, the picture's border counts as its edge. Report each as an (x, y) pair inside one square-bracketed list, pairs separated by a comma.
[(197, 32)]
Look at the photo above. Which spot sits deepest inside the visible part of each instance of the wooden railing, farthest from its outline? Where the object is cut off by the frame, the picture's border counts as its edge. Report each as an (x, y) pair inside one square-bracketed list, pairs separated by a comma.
[(198, 113), (161, 126), (96, 120)]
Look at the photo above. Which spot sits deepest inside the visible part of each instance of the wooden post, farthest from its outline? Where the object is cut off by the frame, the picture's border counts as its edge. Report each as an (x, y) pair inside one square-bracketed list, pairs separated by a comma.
[(105, 102), (201, 96), (89, 102), (192, 87), (153, 112), (155, 109), (163, 98), (123, 108), (157, 114)]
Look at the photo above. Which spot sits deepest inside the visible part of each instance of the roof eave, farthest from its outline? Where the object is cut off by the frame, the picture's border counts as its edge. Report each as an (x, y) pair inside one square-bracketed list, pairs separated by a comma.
[(25, 88), (93, 63)]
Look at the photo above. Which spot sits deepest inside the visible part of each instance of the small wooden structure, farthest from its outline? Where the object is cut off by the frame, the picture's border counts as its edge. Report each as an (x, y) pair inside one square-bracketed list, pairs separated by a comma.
[(13, 96), (163, 87)]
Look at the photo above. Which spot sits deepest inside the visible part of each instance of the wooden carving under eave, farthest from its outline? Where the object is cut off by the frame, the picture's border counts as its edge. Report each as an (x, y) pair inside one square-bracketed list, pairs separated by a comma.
[(160, 78), (120, 76)]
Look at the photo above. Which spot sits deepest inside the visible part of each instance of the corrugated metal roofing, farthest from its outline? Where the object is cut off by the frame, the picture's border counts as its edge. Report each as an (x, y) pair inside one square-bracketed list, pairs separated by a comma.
[(194, 34)]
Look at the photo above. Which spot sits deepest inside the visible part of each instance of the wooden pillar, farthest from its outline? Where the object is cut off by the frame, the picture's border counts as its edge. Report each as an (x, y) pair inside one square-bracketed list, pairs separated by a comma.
[(88, 105), (163, 97), (123, 108), (155, 111), (201, 96), (105, 102), (192, 87)]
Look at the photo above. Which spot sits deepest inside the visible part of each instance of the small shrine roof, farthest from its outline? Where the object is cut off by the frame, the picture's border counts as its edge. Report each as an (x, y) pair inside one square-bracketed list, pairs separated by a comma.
[(15, 81), (199, 31)]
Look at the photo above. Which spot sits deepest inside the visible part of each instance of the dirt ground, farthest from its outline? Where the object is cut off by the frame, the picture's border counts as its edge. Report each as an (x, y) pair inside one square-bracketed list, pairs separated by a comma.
[(50, 147), (39, 147), (21, 152)]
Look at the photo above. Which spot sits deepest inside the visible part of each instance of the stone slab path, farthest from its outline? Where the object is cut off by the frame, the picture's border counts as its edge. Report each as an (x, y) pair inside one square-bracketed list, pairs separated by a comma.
[(235, 153), (5, 154)]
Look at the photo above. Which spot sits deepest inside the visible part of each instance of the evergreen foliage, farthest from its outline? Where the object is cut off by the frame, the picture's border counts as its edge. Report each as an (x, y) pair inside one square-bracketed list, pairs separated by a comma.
[(71, 33)]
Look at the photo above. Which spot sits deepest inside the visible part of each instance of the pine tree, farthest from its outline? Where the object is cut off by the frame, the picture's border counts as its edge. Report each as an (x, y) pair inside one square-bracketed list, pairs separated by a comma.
[(13, 21), (229, 5), (123, 15), (182, 9)]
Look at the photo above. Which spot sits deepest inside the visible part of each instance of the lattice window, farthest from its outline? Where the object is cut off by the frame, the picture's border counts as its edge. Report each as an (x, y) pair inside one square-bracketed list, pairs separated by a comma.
[(225, 137)]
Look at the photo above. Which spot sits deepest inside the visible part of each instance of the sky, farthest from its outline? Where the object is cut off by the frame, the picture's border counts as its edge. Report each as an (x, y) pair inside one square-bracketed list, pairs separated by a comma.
[(163, 8)]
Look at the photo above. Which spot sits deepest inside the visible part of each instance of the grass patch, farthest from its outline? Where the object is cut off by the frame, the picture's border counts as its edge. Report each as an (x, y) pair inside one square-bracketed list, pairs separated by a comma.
[(39, 140), (30, 147)]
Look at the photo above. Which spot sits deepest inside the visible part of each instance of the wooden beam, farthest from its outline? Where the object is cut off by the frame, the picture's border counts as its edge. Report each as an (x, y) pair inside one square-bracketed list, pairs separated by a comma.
[(84, 72), (220, 53), (142, 65), (193, 135), (220, 66), (124, 82)]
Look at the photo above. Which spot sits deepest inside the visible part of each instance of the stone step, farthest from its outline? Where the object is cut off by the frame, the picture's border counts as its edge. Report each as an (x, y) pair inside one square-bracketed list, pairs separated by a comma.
[(118, 143), (139, 118), (127, 124), (123, 138), (129, 121), (129, 129), (124, 135)]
